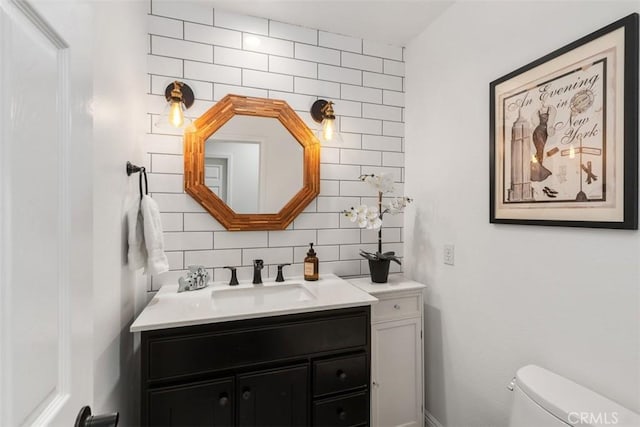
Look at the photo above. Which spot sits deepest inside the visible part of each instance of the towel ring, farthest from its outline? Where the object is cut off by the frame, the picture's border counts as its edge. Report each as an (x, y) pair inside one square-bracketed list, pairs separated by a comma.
[(131, 168)]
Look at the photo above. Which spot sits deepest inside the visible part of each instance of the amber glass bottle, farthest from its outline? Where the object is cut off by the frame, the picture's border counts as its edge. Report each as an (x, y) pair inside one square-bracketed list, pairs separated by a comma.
[(311, 265)]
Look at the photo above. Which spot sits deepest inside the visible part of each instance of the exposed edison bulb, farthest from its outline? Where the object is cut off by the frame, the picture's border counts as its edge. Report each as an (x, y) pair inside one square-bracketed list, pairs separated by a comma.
[(322, 112), (328, 129), (534, 159), (176, 117), (572, 152)]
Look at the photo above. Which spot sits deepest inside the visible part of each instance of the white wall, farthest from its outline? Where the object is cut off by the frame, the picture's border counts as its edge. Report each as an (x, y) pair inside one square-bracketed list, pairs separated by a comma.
[(206, 48), (119, 117), (565, 299)]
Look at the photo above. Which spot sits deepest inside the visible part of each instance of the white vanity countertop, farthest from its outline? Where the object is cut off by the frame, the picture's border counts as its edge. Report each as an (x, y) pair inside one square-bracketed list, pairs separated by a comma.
[(170, 309), (396, 282)]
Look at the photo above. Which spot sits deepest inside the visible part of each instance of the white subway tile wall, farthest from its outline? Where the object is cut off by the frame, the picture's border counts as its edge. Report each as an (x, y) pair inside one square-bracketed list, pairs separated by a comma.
[(293, 32), (212, 35), (239, 58), (218, 53)]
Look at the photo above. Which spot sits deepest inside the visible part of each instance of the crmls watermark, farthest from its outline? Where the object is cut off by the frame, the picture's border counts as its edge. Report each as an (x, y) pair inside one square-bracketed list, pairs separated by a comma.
[(589, 418)]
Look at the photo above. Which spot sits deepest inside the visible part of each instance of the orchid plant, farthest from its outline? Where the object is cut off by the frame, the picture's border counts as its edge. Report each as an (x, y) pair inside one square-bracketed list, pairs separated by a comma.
[(371, 217)]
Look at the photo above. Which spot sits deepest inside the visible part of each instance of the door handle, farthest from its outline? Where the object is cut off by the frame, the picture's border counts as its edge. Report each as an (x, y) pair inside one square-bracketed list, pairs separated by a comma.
[(85, 419)]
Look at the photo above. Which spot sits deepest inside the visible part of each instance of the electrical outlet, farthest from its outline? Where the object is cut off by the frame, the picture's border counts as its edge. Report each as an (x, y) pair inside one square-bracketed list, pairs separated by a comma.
[(449, 254)]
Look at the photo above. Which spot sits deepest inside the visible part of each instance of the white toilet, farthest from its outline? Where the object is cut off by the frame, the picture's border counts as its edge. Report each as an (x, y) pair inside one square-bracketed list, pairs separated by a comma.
[(545, 399)]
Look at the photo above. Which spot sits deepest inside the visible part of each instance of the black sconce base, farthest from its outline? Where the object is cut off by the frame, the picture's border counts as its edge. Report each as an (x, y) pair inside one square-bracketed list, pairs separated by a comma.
[(316, 110), (187, 94)]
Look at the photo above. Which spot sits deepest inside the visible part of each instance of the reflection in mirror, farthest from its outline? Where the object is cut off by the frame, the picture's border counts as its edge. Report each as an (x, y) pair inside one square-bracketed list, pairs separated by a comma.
[(283, 170), (253, 164)]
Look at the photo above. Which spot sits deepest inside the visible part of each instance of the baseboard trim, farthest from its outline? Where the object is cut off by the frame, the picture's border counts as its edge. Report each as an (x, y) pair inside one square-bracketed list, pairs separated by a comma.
[(430, 420)]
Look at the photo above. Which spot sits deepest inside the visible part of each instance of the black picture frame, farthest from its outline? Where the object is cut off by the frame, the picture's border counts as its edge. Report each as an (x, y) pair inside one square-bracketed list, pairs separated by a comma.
[(556, 130)]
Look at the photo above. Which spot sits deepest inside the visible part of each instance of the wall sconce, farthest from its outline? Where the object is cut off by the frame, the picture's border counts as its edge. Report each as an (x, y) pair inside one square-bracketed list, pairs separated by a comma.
[(179, 97), (322, 112)]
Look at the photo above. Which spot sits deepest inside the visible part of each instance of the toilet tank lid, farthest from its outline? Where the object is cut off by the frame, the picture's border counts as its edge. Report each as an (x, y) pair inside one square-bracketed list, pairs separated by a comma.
[(572, 403)]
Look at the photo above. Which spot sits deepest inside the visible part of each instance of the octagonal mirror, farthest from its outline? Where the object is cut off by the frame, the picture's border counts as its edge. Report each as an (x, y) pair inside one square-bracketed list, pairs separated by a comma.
[(252, 163)]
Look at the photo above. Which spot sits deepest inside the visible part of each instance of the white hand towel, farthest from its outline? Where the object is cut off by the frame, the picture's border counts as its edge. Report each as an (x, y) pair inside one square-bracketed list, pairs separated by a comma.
[(137, 252), (157, 261)]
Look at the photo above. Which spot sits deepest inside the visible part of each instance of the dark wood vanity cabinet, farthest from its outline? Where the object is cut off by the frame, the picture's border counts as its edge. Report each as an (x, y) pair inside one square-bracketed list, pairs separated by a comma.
[(310, 369), (273, 398), (205, 403)]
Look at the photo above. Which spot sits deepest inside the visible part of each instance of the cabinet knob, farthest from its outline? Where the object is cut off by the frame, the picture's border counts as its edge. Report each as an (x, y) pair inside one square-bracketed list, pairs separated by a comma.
[(342, 414), (224, 399), (246, 394), (341, 374), (397, 306)]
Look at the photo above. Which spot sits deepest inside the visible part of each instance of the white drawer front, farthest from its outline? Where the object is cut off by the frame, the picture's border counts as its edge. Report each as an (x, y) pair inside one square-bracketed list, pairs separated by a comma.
[(396, 308)]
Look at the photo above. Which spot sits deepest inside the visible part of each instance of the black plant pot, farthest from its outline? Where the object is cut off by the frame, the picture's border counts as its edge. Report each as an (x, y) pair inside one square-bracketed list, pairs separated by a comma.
[(379, 270)]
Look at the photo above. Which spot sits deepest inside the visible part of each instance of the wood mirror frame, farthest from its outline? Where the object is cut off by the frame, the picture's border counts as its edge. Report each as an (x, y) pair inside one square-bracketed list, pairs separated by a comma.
[(194, 152)]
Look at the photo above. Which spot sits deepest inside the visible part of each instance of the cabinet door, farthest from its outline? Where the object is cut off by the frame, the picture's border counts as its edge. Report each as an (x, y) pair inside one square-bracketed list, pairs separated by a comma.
[(396, 361), (273, 398), (203, 404)]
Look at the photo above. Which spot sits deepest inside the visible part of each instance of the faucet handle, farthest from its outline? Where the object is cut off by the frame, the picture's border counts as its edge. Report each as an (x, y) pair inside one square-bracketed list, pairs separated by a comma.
[(280, 277), (234, 277)]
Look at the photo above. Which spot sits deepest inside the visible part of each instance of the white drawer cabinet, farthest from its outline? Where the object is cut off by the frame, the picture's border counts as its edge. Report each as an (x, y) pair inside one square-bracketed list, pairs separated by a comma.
[(396, 352), (396, 307)]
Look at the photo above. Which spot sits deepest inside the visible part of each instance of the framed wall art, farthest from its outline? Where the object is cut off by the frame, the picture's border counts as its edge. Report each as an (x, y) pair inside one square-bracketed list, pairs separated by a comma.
[(564, 135)]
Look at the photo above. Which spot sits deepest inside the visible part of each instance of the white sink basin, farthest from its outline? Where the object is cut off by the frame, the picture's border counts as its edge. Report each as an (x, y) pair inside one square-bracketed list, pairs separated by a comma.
[(221, 303), (271, 296)]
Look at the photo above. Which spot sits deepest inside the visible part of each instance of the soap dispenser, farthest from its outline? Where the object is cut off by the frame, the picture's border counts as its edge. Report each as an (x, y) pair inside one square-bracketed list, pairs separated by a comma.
[(311, 264)]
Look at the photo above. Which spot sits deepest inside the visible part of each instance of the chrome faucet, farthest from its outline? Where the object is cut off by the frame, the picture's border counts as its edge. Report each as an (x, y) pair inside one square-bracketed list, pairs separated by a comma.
[(258, 265)]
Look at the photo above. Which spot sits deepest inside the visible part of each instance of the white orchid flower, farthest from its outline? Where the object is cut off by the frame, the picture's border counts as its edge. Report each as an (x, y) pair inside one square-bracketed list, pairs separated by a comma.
[(382, 182), (373, 212), (396, 205), (373, 218), (358, 214), (361, 215), (374, 223), (351, 214), (365, 216), (354, 214)]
